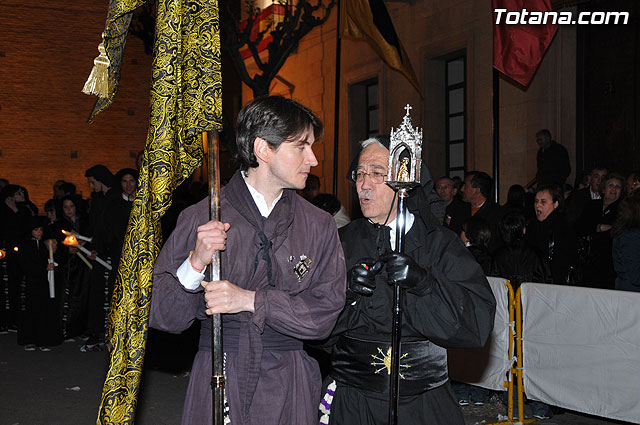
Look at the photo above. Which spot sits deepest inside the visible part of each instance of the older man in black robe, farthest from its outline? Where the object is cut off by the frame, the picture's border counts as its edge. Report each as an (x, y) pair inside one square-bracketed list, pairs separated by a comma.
[(448, 303), (283, 271)]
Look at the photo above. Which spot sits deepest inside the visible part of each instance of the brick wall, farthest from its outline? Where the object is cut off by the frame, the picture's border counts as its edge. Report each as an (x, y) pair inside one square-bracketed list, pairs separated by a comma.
[(47, 49)]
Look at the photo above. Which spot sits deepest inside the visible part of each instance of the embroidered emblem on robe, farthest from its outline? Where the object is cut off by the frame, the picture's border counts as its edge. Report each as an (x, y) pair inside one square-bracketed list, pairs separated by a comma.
[(384, 360), (302, 267)]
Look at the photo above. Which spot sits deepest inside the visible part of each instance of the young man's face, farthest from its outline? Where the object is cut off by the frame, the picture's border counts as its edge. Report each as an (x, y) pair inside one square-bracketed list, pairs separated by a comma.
[(37, 233), (128, 184), (68, 208), (292, 161), (51, 215), (445, 190), (19, 195), (94, 184), (544, 205), (375, 196)]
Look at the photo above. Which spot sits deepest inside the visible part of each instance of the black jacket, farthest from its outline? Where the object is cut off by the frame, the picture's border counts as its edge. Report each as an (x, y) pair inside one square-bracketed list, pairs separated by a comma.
[(492, 213), (520, 262), (557, 241), (457, 311), (553, 164), (456, 214)]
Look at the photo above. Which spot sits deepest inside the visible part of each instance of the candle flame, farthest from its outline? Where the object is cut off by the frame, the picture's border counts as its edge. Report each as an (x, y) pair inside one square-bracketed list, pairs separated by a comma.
[(2, 254), (70, 240), (15, 248)]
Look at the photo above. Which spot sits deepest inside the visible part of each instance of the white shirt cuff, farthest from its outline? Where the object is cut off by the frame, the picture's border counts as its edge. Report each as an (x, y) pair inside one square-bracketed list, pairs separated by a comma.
[(188, 277)]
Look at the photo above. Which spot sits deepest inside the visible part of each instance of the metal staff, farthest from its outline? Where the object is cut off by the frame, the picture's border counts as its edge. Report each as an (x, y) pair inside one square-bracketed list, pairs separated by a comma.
[(217, 364), (403, 174)]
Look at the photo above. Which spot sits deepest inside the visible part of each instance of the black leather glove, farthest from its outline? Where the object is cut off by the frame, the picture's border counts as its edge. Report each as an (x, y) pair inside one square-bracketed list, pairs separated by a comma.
[(361, 278), (405, 272)]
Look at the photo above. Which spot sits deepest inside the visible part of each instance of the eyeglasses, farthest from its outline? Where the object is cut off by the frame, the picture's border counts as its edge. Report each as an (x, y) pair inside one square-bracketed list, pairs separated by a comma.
[(377, 177)]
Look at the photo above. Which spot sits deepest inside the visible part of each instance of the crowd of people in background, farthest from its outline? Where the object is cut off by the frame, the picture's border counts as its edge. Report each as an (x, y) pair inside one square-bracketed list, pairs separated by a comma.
[(56, 288), (551, 232), (587, 235)]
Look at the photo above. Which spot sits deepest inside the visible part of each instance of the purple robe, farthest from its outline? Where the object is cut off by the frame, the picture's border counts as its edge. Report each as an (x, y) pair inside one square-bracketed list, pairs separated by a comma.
[(269, 378)]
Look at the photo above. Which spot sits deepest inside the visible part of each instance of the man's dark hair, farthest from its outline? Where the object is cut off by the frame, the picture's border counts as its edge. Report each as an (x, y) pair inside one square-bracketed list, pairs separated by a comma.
[(9, 190), (457, 182), (77, 202), (477, 231), (274, 119), (544, 132), (313, 182), (556, 192), (511, 227), (68, 188), (101, 174), (117, 177), (50, 205), (516, 196), (327, 202), (481, 180)]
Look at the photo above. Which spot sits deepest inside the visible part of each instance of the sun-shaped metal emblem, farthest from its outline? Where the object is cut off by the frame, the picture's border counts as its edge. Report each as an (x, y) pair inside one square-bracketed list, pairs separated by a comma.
[(384, 360)]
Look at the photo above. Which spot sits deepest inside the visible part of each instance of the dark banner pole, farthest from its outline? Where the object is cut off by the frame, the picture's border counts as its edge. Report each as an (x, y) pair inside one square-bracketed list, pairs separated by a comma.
[(336, 107), (496, 133), (217, 364)]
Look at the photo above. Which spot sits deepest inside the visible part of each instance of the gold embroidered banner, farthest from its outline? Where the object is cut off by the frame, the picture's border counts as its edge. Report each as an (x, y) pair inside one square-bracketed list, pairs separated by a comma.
[(186, 99)]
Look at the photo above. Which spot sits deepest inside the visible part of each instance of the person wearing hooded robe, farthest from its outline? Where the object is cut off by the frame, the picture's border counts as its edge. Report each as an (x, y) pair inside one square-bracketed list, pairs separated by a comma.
[(100, 180), (282, 269), (117, 218), (40, 326), (447, 303)]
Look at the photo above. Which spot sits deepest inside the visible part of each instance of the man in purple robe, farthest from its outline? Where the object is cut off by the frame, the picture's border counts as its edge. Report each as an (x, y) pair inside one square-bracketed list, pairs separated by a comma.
[(283, 275)]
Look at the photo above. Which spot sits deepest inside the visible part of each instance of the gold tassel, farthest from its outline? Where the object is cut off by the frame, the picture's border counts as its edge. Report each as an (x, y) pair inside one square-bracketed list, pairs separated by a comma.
[(98, 81)]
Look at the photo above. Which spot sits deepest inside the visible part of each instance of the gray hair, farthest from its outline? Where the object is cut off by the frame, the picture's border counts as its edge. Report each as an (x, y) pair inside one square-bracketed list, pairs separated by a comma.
[(371, 141)]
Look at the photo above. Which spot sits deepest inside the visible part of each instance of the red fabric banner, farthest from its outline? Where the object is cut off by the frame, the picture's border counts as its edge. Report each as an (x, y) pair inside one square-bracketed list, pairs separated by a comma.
[(519, 48)]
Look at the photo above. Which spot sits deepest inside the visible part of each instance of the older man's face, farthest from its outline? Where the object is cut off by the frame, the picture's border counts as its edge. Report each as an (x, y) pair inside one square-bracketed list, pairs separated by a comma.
[(374, 194), (446, 191), (543, 141), (595, 178)]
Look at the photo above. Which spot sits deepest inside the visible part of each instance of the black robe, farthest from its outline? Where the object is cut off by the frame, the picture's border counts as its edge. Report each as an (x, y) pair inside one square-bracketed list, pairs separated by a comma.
[(40, 322), (598, 271), (457, 311)]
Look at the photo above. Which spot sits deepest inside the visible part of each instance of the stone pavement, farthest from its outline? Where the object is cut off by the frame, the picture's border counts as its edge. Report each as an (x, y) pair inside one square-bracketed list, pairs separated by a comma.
[(63, 387)]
